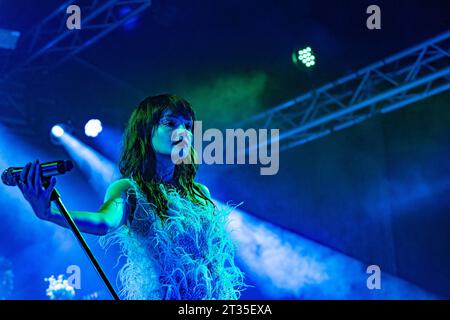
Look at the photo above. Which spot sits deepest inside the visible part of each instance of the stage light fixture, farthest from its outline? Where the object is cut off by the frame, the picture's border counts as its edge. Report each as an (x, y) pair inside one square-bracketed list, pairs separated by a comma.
[(93, 128), (57, 131), (304, 57)]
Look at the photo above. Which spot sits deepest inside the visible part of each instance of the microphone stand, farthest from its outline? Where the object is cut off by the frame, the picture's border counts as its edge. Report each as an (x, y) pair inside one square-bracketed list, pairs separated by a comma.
[(56, 198)]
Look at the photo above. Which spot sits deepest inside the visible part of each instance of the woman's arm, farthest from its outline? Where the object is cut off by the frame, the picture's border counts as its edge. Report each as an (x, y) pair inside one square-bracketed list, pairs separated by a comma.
[(107, 218)]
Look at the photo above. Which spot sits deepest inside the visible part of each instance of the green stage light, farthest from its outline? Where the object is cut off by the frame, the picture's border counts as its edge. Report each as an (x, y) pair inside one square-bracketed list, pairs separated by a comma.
[(304, 57)]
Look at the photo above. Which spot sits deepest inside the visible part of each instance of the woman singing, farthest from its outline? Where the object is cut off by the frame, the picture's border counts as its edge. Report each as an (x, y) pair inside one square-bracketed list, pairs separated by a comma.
[(168, 228)]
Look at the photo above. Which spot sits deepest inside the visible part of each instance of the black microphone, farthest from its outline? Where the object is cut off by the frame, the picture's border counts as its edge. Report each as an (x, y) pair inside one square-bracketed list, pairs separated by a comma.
[(11, 176)]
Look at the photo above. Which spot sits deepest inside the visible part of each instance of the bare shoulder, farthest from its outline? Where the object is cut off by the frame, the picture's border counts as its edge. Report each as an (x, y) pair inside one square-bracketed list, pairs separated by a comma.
[(204, 189), (117, 188)]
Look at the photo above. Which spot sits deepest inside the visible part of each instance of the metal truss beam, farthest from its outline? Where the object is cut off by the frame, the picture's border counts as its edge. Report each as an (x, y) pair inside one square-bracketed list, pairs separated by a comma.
[(51, 43), (395, 82)]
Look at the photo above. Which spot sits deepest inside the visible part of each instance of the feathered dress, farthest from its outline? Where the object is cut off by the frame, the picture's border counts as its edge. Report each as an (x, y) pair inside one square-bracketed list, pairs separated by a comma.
[(188, 256)]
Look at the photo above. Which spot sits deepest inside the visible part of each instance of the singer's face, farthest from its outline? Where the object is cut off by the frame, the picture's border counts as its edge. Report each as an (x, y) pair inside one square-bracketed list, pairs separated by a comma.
[(172, 130)]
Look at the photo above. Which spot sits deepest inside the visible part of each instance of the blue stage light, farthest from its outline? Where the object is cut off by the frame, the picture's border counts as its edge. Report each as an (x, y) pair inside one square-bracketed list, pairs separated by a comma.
[(93, 128), (57, 131)]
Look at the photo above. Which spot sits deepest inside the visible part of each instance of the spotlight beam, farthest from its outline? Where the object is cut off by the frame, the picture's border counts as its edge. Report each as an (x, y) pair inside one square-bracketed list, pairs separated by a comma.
[(286, 265), (96, 167)]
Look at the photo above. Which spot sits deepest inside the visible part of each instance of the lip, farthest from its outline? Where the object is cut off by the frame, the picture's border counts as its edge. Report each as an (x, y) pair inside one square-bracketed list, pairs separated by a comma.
[(181, 142), (177, 142)]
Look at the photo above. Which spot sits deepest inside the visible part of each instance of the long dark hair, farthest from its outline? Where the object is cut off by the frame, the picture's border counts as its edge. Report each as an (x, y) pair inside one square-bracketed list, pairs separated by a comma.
[(138, 158)]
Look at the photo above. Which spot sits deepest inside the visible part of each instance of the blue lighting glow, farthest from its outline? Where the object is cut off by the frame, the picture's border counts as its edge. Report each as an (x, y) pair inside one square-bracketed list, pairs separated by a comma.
[(93, 128), (57, 131)]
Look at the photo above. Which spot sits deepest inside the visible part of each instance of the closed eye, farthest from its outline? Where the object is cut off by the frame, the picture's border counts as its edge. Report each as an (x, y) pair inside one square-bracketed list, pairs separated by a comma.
[(168, 123)]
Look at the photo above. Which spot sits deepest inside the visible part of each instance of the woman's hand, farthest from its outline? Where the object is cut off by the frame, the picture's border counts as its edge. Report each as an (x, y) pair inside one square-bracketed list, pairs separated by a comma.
[(34, 192)]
